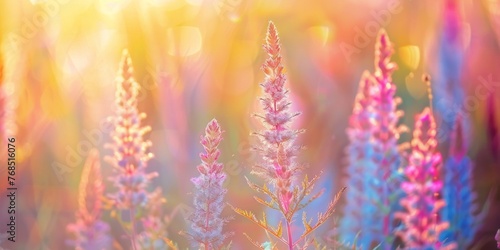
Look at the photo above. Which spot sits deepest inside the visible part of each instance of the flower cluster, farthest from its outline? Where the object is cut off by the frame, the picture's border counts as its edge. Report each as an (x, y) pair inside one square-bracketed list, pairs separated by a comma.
[(387, 155), (206, 221), (421, 223), (361, 168), (457, 191), (89, 231), (434, 204), (374, 155), (279, 167), (277, 141), (130, 156)]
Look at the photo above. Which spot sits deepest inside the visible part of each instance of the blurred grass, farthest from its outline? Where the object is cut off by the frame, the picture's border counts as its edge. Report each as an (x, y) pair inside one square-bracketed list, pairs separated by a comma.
[(201, 59)]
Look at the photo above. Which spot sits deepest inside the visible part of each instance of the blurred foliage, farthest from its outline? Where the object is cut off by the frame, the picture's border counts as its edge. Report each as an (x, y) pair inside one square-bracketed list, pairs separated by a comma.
[(196, 60)]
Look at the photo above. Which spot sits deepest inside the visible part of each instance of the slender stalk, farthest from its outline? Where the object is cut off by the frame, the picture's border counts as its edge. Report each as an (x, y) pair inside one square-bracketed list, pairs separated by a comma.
[(289, 232), (279, 167), (132, 221)]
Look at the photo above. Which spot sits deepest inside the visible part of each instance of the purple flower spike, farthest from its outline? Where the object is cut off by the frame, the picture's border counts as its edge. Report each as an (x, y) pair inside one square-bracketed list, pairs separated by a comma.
[(279, 168), (130, 156), (374, 155), (206, 220)]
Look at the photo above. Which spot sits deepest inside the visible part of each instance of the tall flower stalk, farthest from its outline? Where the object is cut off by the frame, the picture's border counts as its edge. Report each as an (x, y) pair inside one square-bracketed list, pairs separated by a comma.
[(357, 219), (279, 167), (89, 232), (130, 156), (387, 131), (206, 221), (422, 224), (374, 155), (457, 191)]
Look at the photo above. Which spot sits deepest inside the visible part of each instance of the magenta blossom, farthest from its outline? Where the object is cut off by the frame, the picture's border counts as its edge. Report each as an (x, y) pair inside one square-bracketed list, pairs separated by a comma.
[(422, 225)]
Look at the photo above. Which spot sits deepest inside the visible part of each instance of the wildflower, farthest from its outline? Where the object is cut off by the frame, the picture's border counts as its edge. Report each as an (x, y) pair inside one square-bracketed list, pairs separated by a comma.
[(422, 225), (207, 224), (130, 156), (361, 169), (89, 231), (374, 154), (279, 167), (278, 149), (387, 154)]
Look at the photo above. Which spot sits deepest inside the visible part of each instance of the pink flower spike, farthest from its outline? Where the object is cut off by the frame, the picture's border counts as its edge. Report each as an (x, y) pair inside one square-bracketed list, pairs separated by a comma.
[(130, 154), (374, 155), (277, 140), (206, 221), (279, 168), (383, 52), (130, 151), (421, 220), (89, 232)]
